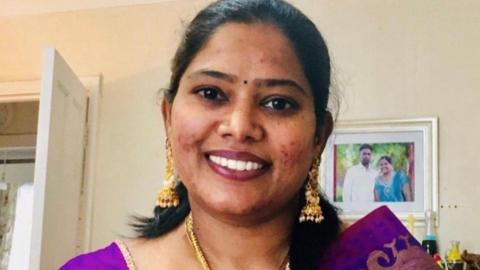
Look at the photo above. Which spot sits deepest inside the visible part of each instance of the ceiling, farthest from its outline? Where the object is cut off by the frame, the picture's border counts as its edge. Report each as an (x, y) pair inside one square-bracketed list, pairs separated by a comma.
[(26, 7)]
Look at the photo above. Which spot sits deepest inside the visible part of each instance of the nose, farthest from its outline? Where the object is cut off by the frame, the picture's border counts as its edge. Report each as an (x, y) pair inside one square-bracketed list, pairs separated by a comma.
[(241, 124)]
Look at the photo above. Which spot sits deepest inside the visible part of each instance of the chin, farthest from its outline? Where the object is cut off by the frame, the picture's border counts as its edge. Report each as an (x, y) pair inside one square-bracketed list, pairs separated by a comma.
[(235, 206)]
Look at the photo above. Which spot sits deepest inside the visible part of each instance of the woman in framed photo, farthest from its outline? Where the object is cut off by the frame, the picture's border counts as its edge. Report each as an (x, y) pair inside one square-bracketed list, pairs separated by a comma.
[(391, 185)]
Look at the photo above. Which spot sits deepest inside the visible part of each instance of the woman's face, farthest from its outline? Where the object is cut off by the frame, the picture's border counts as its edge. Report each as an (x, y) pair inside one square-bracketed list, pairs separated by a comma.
[(242, 125), (385, 166)]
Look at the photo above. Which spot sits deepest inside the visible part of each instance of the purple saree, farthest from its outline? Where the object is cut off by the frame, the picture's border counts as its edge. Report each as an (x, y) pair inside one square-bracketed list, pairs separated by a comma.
[(379, 241)]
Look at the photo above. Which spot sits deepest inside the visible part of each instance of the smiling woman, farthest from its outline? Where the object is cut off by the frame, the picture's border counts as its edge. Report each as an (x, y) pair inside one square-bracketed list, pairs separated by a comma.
[(242, 123), (246, 119)]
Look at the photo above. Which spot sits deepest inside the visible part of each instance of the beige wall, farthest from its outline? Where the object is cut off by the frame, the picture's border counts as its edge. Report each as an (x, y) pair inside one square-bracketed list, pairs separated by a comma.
[(393, 59)]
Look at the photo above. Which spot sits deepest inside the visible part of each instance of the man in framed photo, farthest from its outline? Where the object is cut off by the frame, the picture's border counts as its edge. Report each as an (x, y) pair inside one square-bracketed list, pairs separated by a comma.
[(359, 182)]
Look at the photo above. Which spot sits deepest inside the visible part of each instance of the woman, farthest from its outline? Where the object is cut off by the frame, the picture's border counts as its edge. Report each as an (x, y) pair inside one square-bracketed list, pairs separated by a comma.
[(246, 119), (391, 186)]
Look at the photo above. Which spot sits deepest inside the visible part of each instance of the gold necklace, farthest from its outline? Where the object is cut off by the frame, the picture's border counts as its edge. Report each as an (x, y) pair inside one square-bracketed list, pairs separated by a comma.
[(192, 238)]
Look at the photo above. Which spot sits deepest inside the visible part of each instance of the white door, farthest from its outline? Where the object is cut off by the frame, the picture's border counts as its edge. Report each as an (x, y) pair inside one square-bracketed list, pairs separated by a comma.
[(58, 164)]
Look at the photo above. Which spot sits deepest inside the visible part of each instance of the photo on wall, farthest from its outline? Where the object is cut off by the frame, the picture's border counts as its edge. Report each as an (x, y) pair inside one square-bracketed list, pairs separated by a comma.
[(367, 164), (380, 172)]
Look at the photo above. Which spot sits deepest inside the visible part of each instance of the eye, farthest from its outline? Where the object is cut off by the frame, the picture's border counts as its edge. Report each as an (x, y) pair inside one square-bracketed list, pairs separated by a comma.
[(211, 93), (279, 104)]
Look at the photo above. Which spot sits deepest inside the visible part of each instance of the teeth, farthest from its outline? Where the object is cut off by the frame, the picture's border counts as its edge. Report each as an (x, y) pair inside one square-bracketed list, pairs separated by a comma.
[(241, 165), (232, 164), (238, 165), (223, 162)]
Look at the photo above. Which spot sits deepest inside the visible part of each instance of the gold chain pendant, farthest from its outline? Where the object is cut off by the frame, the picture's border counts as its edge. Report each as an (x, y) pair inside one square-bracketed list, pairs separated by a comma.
[(192, 238)]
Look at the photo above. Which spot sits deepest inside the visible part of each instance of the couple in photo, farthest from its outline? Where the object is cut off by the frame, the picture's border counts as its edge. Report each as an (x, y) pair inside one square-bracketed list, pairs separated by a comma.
[(365, 183)]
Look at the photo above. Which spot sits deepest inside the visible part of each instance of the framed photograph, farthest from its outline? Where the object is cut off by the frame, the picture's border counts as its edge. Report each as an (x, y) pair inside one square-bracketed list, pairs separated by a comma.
[(367, 164)]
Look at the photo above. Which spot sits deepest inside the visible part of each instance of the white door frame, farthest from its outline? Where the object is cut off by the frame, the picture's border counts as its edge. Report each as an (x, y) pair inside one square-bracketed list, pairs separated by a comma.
[(24, 91)]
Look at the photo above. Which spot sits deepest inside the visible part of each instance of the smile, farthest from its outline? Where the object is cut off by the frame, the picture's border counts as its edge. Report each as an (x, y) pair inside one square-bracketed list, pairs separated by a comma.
[(237, 165)]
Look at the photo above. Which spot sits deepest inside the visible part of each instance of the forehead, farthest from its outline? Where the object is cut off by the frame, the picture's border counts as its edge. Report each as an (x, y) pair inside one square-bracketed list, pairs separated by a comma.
[(366, 151), (254, 50)]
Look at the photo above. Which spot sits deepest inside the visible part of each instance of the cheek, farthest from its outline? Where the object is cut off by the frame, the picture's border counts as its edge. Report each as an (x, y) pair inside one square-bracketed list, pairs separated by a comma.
[(294, 159), (187, 135), (186, 131), (291, 152), (296, 143), (295, 156), (185, 140)]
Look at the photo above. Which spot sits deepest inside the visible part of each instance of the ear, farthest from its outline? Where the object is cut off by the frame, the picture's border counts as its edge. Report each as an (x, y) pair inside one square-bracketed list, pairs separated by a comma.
[(166, 108), (323, 133)]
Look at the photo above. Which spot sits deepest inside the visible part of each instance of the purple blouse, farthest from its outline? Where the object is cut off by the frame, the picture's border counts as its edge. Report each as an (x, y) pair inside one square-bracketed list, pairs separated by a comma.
[(113, 257)]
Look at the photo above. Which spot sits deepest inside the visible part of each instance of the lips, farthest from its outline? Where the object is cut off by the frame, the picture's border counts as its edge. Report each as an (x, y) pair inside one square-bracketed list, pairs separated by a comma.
[(234, 165)]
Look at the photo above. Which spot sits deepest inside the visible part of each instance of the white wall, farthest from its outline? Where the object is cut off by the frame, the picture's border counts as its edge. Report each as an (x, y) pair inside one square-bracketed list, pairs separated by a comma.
[(393, 59)]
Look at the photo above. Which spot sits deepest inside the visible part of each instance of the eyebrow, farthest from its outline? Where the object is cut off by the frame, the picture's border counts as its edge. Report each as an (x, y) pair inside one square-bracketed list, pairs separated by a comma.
[(279, 82), (214, 74), (260, 82)]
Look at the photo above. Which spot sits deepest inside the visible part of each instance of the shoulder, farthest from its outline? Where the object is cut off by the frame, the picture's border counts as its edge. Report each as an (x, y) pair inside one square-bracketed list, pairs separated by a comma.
[(372, 170), (352, 169), (109, 257), (401, 176)]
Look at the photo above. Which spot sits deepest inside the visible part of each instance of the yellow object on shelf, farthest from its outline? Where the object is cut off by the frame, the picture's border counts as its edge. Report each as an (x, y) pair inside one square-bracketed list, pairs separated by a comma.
[(454, 253)]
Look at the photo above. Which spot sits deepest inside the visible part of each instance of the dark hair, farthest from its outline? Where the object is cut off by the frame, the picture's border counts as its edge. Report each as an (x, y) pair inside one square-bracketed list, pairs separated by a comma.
[(309, 240), (365, 146), (387, 158)]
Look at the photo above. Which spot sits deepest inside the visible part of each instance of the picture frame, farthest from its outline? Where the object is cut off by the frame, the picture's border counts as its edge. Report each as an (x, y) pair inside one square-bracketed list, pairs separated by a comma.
[(408, 184)]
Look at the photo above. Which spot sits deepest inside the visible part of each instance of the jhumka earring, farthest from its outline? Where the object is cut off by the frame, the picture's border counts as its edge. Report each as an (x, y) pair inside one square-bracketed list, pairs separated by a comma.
[(167, 196), (312, 210)]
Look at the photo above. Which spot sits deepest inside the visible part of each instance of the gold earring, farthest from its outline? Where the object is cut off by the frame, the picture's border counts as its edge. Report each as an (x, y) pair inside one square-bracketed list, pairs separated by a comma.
[(312, 210), (167, 196)]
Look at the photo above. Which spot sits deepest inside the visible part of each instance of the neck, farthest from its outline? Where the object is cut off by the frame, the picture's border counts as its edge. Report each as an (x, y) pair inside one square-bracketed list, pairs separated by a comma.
[(366, 165), (387, 176), (229, 243)]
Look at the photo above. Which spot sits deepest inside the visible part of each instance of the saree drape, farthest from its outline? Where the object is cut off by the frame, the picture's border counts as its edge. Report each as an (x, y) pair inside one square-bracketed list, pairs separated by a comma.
[(379, 241)]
